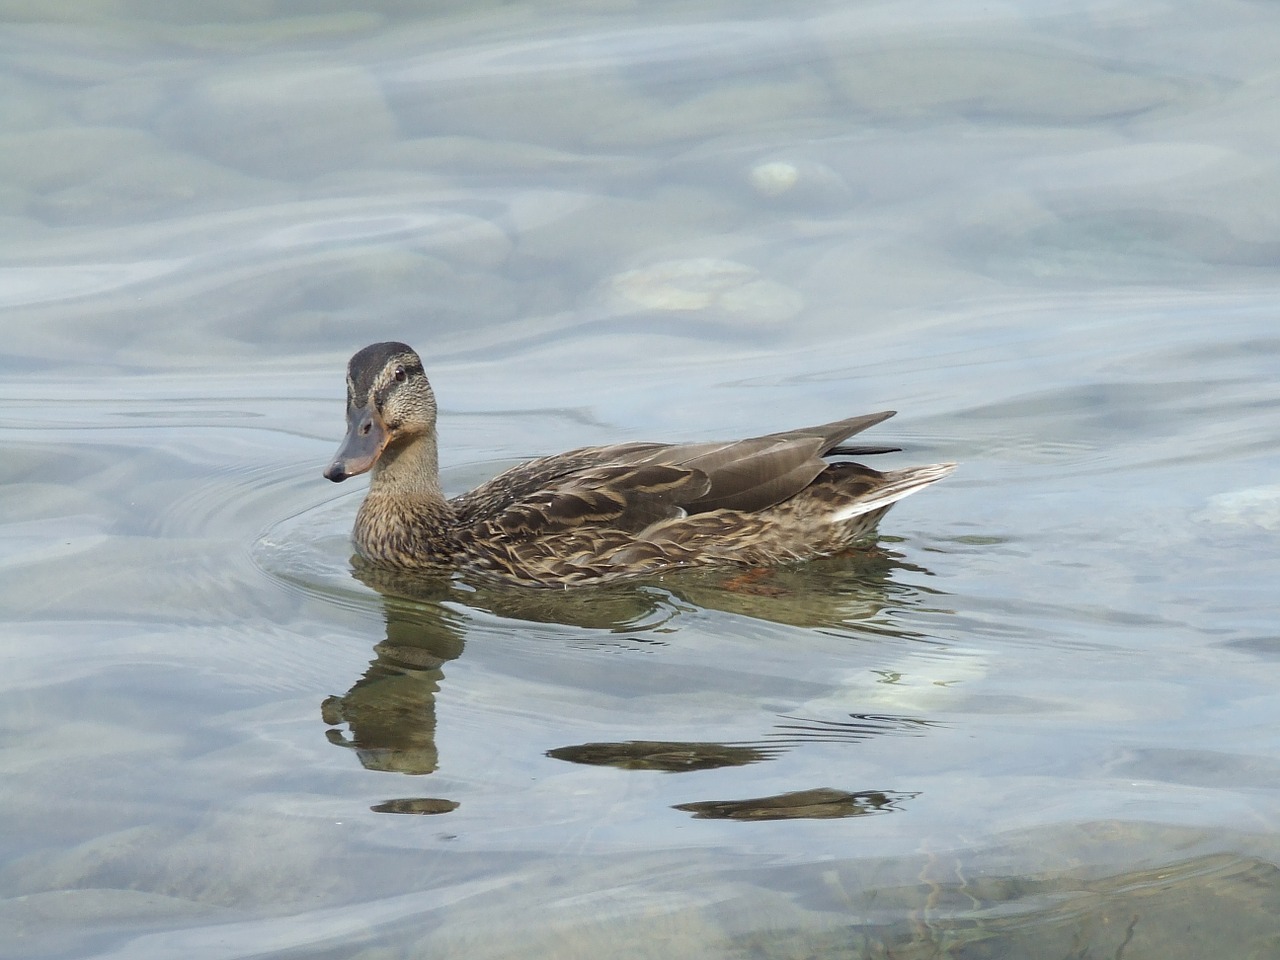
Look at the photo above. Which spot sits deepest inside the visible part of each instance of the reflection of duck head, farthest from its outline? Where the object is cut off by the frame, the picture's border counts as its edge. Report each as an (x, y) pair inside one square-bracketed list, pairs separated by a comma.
[(391, 709)]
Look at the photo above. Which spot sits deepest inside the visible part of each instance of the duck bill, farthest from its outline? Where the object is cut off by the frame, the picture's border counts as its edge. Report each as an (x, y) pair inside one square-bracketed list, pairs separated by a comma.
[(365, 440)]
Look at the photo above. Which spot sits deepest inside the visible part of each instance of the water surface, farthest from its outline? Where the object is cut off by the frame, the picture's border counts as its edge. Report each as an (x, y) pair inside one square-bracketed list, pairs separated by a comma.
[(1038, 719)]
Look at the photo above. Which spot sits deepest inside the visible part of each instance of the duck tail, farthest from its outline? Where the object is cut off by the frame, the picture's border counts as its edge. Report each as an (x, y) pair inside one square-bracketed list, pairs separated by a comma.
[(897, 484)]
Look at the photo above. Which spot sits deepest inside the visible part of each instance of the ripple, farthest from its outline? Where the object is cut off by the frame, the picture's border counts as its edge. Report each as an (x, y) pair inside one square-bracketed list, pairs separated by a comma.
[(309, 554), (28, 285)]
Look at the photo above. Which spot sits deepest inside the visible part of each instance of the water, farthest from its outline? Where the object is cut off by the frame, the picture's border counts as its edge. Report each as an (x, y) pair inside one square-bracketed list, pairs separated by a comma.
[(1038, 720)]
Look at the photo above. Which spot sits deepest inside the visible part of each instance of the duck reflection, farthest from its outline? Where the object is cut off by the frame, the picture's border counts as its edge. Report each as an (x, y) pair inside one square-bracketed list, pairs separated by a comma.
[(665, 755), (390, 711), (853, 588), (675, 756), (822, 803)]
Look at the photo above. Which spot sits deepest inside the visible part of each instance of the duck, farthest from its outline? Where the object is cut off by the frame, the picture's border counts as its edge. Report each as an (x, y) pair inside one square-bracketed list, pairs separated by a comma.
[(604, 513)]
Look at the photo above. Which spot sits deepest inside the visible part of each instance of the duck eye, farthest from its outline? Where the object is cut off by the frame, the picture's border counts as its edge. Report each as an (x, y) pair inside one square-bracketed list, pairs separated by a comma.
[(400, 375)]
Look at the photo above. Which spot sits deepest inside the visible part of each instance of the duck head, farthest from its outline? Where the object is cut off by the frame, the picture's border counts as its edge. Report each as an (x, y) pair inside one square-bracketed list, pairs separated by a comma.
[(390, 405)]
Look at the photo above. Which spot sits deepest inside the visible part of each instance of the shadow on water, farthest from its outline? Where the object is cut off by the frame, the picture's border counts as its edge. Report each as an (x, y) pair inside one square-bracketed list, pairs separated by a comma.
[(390, 710)]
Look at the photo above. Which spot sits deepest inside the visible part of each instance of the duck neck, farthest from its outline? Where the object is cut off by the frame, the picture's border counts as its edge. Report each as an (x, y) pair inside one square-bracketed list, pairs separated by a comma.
[(405, 519), (410, 472)]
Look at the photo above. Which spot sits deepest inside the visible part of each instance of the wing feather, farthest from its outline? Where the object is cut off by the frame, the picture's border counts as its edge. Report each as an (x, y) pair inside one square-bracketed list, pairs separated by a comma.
[(628, 487)]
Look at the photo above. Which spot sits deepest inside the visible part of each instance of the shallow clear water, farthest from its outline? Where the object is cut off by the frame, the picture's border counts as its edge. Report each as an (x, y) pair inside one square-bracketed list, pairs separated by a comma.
[(1038, 720)]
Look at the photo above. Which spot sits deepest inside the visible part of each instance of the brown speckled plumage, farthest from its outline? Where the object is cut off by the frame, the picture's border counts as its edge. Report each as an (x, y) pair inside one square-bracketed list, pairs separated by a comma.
[(603, 513)]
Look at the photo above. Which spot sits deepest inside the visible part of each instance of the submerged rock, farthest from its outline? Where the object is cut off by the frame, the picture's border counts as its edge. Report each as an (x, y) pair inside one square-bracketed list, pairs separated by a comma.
[(702, 284), (799, 182), (1249, 507)]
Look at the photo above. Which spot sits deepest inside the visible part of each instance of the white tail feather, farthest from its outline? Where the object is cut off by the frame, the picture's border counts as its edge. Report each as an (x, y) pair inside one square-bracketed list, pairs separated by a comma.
[(903, 484)]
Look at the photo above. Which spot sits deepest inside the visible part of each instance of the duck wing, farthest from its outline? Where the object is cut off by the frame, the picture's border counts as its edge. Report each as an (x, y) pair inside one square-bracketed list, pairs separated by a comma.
[(756, 473), (632, 486), (533, 477)]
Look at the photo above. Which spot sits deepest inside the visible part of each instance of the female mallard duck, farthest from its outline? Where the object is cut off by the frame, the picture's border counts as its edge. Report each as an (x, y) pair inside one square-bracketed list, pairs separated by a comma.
[(602, 513)]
